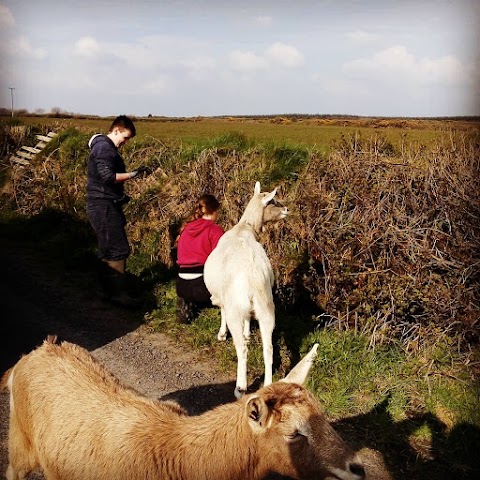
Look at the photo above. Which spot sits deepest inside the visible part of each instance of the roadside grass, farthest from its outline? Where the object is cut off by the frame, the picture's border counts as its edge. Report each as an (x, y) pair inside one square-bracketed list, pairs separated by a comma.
[(353, 372), (418, 405)]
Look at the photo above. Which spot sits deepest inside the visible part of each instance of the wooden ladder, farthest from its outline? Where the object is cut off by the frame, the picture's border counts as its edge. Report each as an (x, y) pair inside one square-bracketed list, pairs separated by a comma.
[(25, 154)]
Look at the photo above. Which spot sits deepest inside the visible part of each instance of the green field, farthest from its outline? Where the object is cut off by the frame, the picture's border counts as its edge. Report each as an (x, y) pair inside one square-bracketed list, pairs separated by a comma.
[(319, 133)]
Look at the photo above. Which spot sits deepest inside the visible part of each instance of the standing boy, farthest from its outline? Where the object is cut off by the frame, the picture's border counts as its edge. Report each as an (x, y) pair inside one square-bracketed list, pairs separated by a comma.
[(105, 198)]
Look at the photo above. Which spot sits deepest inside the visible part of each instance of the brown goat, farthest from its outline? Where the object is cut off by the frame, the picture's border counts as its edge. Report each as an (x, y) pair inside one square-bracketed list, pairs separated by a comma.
[(73, 419)]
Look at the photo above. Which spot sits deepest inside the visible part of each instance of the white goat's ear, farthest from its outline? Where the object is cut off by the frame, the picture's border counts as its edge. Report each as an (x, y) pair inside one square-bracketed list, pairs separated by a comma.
[(300, 372), (257, 413), (257, 188), (268, 197)]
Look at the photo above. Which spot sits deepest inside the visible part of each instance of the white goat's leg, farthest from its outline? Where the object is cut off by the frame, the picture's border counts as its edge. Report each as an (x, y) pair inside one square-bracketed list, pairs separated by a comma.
[(246, 330), (222, 333), (241, 347), (266, 322)]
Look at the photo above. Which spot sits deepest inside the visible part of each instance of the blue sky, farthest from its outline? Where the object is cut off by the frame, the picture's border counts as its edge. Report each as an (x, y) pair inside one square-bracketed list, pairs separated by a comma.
[(193, 57)]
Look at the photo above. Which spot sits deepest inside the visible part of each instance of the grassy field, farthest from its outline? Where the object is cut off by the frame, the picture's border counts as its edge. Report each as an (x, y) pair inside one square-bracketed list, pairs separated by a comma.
[(319, 133), (378, 261)]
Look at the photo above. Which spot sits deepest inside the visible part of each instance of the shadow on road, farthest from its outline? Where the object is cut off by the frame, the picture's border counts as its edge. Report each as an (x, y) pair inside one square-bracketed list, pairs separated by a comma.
[(200, 399), (48, 285)]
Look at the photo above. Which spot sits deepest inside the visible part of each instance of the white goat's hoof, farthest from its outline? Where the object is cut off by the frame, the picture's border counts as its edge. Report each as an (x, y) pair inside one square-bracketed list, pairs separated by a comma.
[(222, 337), (239, 393)]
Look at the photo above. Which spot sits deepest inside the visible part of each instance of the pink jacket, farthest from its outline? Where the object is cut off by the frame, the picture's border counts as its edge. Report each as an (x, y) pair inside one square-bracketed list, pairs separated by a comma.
[(197, 241)]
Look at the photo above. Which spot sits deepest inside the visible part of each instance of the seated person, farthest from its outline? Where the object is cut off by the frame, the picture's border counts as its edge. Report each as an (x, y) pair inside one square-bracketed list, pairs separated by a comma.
[(198, 237)]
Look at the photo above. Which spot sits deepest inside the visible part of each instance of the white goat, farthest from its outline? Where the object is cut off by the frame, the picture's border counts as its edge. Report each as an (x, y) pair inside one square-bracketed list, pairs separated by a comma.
[(239, 276)]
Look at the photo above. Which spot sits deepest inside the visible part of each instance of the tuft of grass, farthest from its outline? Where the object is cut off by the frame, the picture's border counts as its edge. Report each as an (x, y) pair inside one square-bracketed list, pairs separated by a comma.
[(347, 371), (287, 160), (351, 375), (231, 141)]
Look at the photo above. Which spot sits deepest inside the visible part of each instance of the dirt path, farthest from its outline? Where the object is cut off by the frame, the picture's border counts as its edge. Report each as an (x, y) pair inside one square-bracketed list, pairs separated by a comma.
[(37, 301)]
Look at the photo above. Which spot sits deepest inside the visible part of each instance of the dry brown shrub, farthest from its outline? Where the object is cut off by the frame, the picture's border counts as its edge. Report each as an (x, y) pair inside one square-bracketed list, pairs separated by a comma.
[(398, 236), (372, 235), (165, 199)]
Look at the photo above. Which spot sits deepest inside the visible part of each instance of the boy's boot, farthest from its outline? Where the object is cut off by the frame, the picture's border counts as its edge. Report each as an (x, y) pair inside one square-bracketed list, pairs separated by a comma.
[(115, 288), (104, 272)]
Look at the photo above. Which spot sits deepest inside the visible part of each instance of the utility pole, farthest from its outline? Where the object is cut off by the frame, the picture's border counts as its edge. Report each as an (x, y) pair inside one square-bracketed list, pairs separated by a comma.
[(11, 94)]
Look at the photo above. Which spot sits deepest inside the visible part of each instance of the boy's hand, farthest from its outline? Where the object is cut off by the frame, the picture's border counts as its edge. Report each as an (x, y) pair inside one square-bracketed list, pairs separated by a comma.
[(141, 171)]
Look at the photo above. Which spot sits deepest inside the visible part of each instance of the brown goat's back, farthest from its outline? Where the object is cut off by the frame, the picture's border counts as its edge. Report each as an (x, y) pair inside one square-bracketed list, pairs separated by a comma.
[(75, 421)]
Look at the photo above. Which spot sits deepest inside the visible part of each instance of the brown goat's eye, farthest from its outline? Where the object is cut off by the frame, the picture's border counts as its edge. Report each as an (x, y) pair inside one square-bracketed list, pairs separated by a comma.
[(294, 436)]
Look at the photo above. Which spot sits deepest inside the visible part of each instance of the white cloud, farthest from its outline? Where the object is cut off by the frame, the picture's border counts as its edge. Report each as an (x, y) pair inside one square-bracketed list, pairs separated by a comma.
[(262, 20), (200, 63), (87, 47), (361, 37), (392, 59), (446, 69), (277, 54), (21, 47), (200, 66), (149, 54), (285, 55), (247, 61), (136, 55), (6, 17), (396, 63), (157, 86)]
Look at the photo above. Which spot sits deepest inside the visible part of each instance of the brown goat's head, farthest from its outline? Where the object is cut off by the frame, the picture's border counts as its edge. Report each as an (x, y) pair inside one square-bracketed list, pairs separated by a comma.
[(290, 425)]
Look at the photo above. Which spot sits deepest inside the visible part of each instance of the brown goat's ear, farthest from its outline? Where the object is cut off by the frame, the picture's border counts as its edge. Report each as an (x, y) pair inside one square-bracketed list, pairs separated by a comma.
[(257, 413)]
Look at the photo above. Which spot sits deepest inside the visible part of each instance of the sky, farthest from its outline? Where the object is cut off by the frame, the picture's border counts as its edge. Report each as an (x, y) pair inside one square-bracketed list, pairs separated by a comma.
[(185, 58)]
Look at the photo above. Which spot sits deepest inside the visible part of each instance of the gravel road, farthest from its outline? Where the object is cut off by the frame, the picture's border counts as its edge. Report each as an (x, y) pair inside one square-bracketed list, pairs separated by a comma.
[(37, 301)]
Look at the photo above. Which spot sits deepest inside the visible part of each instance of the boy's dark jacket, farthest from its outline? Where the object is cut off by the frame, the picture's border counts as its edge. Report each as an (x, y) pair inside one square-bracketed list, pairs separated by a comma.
[(103, 163)]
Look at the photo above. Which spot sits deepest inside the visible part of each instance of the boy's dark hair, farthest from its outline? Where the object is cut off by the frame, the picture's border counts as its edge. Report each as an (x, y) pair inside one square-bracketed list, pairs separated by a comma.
[(123, 123)]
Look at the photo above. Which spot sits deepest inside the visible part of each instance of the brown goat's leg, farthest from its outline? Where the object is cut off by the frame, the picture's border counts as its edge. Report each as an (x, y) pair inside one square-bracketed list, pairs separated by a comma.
[(15, 474), (20, 456)]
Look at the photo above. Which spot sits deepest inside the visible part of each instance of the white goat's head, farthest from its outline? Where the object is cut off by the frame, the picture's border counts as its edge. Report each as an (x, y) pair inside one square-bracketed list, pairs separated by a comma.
[(263, 208), (274, 212)]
